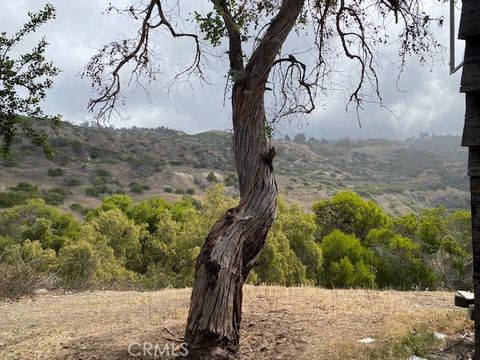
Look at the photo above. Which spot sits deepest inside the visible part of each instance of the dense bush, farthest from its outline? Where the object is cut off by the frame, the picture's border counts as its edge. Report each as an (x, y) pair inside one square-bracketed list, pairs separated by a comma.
[(98, 189), (55, 196), (137, 188), (18, 195), (25, 268), (72, 181), (348, 212), (345, 242), (291, 256), (54, 172), (23, 192), (347, 262), (89, 261), (36, 221), (212, 178), (425, 250), (79, 208)]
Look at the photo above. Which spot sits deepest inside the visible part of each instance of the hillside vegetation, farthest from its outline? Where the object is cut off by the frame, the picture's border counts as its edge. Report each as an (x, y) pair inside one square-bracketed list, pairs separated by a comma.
[(346, 242), (403, 176)]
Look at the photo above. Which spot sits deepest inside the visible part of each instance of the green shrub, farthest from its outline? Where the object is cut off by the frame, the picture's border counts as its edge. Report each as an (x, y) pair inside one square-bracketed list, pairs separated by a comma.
[(25, 268), (102, 173), (99, 189), (35, 220), (190, 191), (94, 152), (231, 180), (78, 263), (79, 208), (27, 187), (212, 178), (72, 181), (399, 263), (53, 198), (122, 235), (90, 262), (4, 242), (9, 199), (348, 212), (180, 191), (168, 189), (117, 201), (278, 264), (54, 172), (137, 188), (347, 262), (19, 195)]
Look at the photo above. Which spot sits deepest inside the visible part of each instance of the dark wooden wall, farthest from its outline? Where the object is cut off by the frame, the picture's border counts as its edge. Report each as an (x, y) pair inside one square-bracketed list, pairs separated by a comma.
[(470, 85)]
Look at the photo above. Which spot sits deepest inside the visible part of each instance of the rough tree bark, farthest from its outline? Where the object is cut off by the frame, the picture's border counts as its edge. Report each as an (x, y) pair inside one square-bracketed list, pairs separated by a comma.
[(235, 241)]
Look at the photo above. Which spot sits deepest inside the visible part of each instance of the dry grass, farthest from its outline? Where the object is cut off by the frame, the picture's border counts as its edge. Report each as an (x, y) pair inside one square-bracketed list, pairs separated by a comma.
[(278, 323)]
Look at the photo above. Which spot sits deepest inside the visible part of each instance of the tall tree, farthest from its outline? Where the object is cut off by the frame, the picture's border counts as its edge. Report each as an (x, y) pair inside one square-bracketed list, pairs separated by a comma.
[(24, 80), (352, 28)]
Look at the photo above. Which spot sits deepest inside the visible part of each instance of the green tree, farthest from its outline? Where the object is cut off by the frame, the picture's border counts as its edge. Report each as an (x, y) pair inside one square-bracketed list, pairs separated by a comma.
[(216, 203), (89, 261), (299, 228), (122, 235), (444, 242), (25, 267), (399, 263), (36, 221), (172, 250), (347, 263), (348, 212), (25, 80), (278, 264)]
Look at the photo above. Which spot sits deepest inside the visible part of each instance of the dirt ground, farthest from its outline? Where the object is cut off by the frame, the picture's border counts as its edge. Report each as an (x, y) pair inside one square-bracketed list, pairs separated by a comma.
[(278, 323)]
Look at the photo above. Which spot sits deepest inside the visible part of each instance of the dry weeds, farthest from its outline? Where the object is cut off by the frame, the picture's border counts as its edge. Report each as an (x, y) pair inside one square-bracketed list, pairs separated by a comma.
[(278, 323)]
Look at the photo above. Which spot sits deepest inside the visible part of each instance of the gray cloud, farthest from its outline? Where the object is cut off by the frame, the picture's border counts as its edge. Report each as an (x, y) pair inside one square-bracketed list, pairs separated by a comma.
[(431, 101)]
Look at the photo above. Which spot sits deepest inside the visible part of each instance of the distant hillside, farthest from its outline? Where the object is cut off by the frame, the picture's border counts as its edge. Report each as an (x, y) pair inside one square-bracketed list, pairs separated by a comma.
[(90, 162)]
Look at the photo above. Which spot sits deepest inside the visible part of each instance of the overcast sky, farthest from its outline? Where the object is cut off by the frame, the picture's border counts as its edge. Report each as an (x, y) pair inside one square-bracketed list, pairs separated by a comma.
[(431, 101)]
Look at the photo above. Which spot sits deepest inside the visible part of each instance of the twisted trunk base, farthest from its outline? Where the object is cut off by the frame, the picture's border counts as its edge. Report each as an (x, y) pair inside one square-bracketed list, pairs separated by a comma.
[(213, 330)]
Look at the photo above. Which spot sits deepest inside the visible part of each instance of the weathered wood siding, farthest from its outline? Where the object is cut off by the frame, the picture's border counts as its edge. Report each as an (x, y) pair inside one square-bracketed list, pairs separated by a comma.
[(469, 23), (471, 130), (470, 85), (471, 69)]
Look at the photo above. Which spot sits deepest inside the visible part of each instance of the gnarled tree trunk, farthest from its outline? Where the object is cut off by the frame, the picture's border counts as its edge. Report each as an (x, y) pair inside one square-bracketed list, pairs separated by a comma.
[(233, 244), (235, 241)]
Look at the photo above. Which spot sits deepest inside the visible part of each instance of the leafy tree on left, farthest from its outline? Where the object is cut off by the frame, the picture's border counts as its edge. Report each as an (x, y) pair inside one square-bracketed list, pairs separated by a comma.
[(24, 80)]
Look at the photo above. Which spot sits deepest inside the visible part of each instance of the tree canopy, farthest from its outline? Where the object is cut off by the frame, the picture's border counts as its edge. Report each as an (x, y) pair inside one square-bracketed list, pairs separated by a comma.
[(328, 33), (25, 79)]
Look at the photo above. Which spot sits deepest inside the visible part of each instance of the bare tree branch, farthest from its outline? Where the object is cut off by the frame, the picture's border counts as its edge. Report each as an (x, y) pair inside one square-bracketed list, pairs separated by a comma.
[(104, 69)]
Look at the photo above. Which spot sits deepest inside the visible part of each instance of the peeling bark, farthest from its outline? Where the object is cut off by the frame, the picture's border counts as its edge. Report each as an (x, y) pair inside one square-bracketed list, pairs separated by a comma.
[(234, 243)]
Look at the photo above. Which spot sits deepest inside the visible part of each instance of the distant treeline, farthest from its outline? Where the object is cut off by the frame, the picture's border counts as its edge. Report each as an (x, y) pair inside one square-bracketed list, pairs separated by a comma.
[(344, 242)]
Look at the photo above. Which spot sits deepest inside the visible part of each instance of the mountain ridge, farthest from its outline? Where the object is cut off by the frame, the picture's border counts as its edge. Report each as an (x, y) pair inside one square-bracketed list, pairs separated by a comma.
[(402, 176)]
